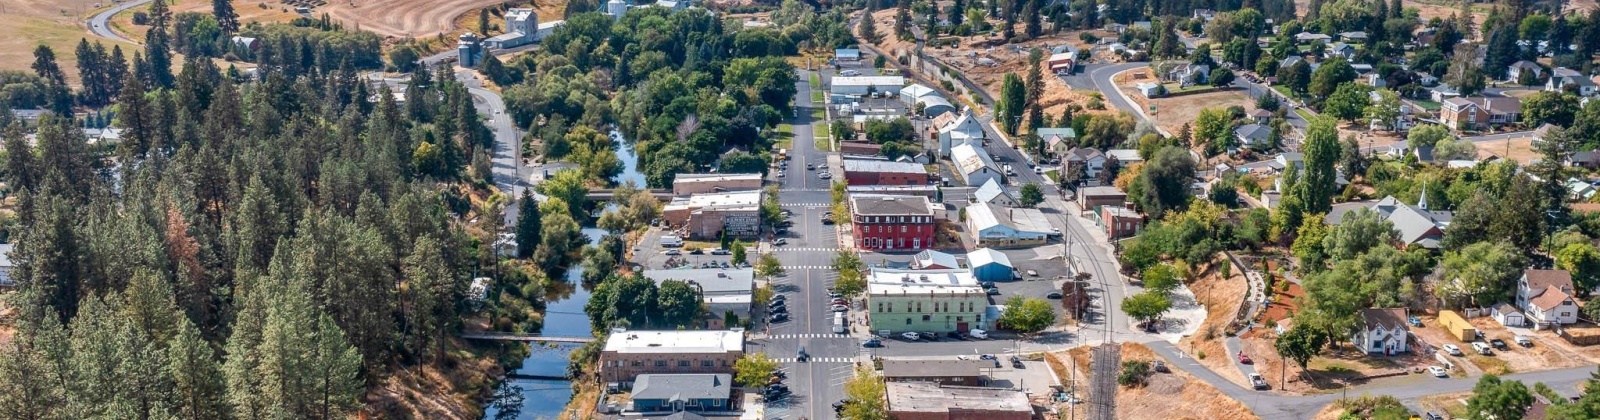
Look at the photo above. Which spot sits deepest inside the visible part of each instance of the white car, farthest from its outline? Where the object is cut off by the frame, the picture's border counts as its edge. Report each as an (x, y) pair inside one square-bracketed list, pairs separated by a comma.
[(978, 334), (824, 175), (1523, 340), (911, 336), (1436, 371), (840, 308), (1452, 350)]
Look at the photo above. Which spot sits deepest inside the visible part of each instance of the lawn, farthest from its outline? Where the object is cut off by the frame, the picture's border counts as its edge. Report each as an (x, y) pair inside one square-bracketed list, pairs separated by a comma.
[(1304, 115), (1283, 90), (785, 136), (821, 135), (1178, 88), (1428, 105)]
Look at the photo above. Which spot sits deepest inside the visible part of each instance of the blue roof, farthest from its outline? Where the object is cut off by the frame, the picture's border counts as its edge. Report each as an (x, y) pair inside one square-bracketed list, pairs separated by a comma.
[(847, 53)]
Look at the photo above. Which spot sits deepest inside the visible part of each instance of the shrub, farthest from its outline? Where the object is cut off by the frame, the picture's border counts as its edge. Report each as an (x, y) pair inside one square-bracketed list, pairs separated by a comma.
[(1134, 373)]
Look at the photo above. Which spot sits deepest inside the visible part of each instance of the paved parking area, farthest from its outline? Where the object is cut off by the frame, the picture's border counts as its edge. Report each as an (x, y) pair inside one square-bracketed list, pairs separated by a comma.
[(1034, 378)]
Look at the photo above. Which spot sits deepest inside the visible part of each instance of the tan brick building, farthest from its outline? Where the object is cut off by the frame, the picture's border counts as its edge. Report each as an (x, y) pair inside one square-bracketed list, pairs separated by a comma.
[(630, 353), (705, 216), (929, 401)]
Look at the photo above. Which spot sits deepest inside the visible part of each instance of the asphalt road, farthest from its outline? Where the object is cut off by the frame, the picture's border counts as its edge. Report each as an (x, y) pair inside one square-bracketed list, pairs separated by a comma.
[(100, 24)]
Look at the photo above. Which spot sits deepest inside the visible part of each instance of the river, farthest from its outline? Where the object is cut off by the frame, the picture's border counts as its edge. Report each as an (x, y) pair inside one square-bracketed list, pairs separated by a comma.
[(563, 317)]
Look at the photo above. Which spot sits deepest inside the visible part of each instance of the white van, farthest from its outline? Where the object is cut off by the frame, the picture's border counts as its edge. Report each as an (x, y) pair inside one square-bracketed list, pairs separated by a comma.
[(838, 323), (670, 241)]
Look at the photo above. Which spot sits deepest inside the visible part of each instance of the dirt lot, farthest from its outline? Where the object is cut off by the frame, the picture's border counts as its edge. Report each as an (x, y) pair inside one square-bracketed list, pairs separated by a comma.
[(1222, 300), (1517, 149), (56, 23), (1175, 395), (248, 12)]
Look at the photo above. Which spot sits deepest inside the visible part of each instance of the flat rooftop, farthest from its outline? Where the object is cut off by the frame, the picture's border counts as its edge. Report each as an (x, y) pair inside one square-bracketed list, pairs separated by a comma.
[(715, 281), (921, 397), (626, 341), (934, 368), (728, 199), (897, 81), (714, 177), (890, 205), (890, 281), (883, 166)]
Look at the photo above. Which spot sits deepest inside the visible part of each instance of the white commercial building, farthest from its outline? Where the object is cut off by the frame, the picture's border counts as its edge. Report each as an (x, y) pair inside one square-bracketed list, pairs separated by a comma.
[(974, 166), (999, 227), (865, 85)]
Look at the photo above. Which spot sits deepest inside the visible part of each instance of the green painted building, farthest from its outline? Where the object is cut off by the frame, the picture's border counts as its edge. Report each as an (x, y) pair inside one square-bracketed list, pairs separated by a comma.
[(926, 301)]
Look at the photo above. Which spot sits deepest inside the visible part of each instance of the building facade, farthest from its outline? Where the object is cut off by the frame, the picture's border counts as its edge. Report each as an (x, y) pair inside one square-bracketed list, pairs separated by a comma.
[(628, 354), (704, 216), (928, 401), (938, 301), (689, 184), (892, 222)]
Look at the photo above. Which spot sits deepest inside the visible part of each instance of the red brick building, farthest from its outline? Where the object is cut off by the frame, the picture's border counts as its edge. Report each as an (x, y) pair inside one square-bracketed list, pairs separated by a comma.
[(892, 222), (883, 172), (1120, 222)]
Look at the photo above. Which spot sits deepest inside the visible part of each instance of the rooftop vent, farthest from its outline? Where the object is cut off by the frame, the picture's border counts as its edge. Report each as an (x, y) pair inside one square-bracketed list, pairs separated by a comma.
[(889, 199)]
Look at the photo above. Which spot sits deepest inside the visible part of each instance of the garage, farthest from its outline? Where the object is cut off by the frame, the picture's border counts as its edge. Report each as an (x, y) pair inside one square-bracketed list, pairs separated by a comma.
[(1509, 316)]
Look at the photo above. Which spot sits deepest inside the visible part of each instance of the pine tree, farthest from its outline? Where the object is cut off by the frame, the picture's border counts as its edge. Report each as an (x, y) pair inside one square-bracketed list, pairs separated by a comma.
[(958, 11), (227, 19), (869, 29), (483, 21), (1035, 23), (20, 168), (196, 376), (528, 229), (429, 312), (32, 383), (135, 118), (157, 51), (44, 64), (1322, 150), (1035, 76)]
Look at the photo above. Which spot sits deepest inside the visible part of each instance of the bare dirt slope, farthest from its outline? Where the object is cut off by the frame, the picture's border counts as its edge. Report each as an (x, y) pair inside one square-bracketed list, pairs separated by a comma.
[(56, 23), (419, 18), (248, 12), (1170, 396)]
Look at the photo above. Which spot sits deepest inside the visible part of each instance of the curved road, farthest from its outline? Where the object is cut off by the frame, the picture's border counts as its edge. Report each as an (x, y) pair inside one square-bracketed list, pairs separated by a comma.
[(100, 23)]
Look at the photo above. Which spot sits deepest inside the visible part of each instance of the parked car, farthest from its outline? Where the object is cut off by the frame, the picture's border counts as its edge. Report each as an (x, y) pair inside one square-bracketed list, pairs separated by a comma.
[(720, 251), (778, 310), (1032, 273), (780, 242), (1432, 416), (811, 166), (1451, 349), (956, 335), (986, 285), (824, 175), (1017, 363), (1482, 348), (1498, 344), (992, 291), (910, 336), (1437, 372), (930, 336), (775, 304), (1160, 366), (697, 251), (674, 252), (840, 308), (978, 334), (872, 342), (1523, 340), (780, 317), (780, 298), (1257, 382), (834, 295), (1053, 295)]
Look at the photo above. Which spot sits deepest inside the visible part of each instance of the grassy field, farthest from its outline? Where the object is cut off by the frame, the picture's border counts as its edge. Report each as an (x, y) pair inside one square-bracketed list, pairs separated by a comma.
[(57, 23), (248, 12)]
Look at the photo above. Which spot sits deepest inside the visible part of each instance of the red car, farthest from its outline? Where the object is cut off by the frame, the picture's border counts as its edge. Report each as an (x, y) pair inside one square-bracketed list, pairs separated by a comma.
[(1244, 359)]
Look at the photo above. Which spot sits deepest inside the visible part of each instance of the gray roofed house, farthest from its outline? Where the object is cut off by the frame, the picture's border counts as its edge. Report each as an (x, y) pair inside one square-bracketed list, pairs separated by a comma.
[(934, 260), (1515, 70), (1562, 78), (682, 392), (1290, 60), (1353, 36), (1252, 134), (992, 193), (1308, 37)]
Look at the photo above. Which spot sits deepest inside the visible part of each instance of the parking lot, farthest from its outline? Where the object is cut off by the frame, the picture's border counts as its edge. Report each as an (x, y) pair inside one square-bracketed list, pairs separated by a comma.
[(1547, 350)]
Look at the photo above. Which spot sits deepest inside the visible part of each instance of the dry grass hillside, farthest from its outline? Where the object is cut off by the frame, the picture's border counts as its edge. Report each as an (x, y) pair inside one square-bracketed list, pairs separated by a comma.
[(56, 23)]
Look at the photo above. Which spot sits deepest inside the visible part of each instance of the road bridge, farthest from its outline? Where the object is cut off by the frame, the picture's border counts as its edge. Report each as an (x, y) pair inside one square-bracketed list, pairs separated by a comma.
[(499, 336)]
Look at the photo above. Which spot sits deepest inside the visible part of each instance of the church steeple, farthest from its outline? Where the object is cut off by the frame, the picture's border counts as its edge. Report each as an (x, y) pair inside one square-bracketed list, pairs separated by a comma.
[(1422, 202)]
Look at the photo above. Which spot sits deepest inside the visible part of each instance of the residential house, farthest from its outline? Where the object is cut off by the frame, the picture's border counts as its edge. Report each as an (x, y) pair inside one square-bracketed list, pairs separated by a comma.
[(1340, 50), (1124, 157), (934, 260), (1253, 135), (1562, 79), (929, 401), (1308, 37), (1587, 160), (1120, 222), (1092, 198), (1443, 92), (1514, 72), (690, 184), (692, 392), (1354, 37), (1546, 297), (628, 354), (892, 222), (1480, 112), (703, 216), (1284, 160), (990, 265), (992, 193), (1057, 140), (1289, 61), (1418, 226), (1090, 159), (884, 172), (1374, 79), (1062, 62), (1579, 190), (723, 290), (1000, 227), (940, 371), (1261, 116), (1189, 73), (1206, 14), (245, 42), (937, 301), (1383, 331), (1425, 78), (935, 105), (974, 166), (954, 129)]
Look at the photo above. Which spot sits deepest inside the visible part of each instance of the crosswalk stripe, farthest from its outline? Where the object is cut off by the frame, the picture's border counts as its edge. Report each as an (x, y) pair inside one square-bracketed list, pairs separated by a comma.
[(806, 204), (807, 267), (816, 360), (803, 190), (808, 248), (813, 335)]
